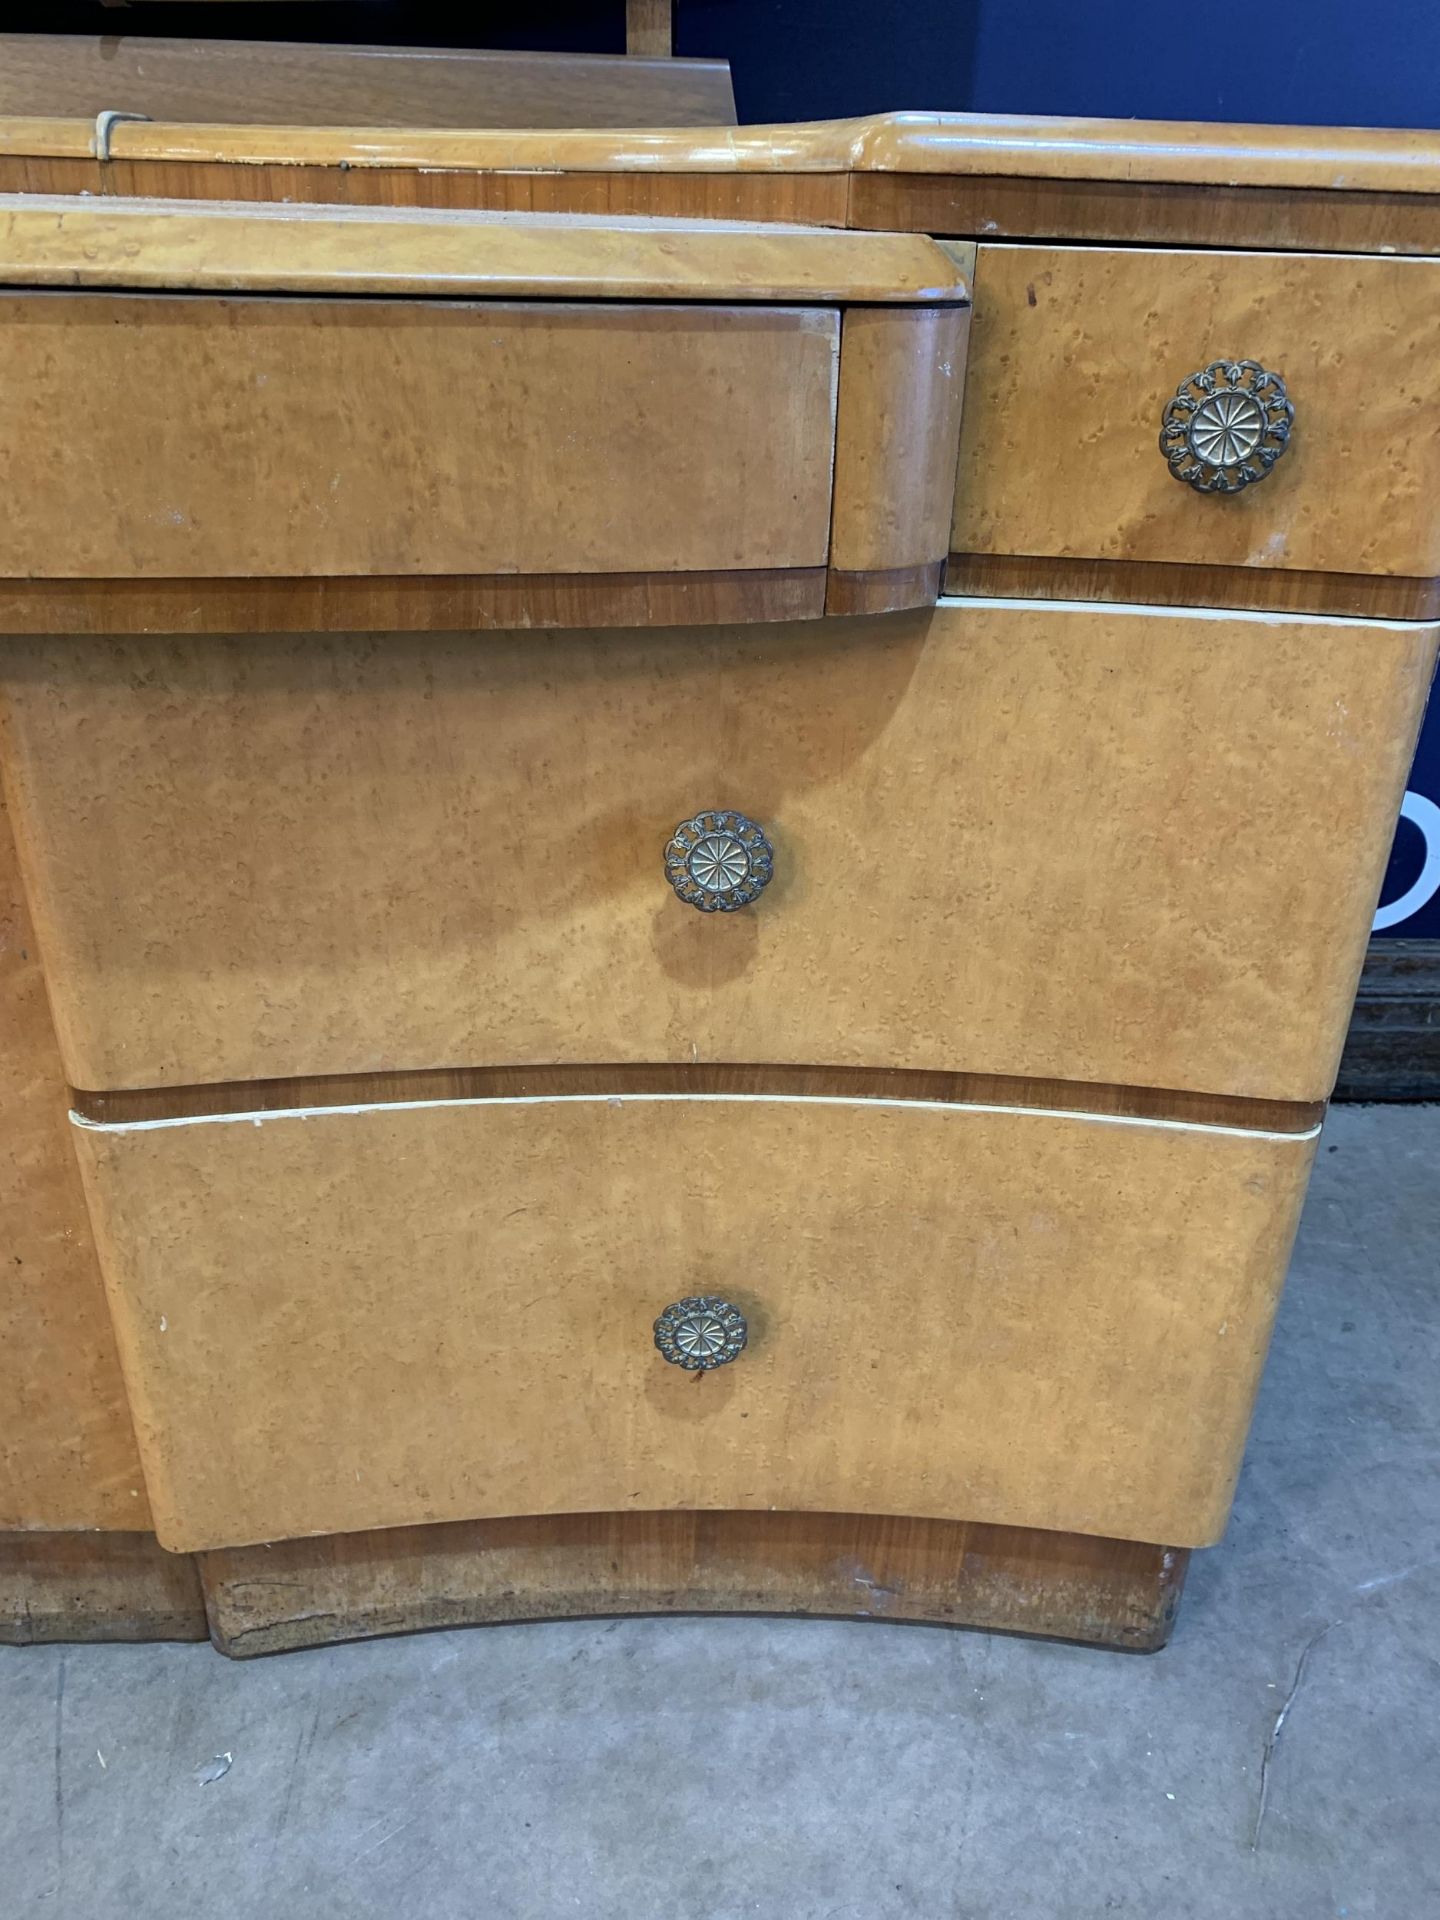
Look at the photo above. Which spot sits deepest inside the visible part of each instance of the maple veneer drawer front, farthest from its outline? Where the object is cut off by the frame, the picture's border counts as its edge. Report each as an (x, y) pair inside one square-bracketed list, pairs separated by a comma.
[(204, 437), (370, 1318), (1075, 353), (1093, 843)]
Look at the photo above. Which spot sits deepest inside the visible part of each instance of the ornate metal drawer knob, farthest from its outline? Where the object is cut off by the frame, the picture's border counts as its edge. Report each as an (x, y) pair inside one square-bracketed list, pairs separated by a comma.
[(700, 1333), (1226, 426), (718, 861)]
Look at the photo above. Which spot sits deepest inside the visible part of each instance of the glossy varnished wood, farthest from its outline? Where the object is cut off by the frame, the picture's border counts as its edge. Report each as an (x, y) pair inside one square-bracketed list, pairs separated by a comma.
[(343, 1320), (902, 382), (57, 1587), (1337, 190), (1162, 583), (1074, 352), (280, 83), (67, 1450), (305, 1593), (347, 437), (222, 840), (1327, 159), (129, 244)]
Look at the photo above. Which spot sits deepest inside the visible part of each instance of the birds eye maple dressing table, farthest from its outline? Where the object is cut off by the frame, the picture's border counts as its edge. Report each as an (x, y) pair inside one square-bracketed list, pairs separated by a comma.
[(701, 809)]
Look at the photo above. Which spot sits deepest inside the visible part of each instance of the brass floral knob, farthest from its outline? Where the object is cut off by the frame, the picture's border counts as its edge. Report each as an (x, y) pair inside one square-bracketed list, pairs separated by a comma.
[(701, 1333), (1226, 426), (718, 861)]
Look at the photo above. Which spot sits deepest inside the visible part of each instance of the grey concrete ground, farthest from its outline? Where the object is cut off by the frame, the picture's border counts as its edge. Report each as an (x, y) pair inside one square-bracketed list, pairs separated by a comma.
[(793, 1769)]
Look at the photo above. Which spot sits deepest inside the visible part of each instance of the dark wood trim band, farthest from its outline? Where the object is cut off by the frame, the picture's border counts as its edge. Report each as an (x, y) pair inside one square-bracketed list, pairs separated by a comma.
[(1393, 1049), (794, 199), (845, 1083), (96, 1586), (1180, 584), (887, 590), (1157, 213), (307, 1593), (423, 603)]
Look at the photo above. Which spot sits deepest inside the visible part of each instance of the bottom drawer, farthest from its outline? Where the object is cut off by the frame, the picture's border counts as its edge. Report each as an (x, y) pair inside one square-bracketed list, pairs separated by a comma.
[(352, 1318)]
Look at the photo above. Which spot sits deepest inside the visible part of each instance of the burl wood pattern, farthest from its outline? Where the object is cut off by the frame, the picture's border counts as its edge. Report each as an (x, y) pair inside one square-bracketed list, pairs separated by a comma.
[(347, 1320), (1078, 843), (303, 437), (306, 1593), (96, 1586), (278, 83), (67, 1451), (1075, 351)]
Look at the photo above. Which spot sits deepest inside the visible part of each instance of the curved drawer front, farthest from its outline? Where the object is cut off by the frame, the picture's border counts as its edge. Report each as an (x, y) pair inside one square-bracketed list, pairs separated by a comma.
[(371, 1318), (1076, 353), (1097, 845), (303, 437)]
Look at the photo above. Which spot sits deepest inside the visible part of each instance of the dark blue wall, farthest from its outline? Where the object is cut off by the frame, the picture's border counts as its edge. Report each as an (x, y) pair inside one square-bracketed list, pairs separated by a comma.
[(1317, 62)]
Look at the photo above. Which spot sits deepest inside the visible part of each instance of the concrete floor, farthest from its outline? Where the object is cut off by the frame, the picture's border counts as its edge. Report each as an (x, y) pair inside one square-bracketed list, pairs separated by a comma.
[(681, 1769)]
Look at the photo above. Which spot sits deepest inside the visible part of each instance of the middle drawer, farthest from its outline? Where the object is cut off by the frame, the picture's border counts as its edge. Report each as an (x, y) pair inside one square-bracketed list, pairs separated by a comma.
[(1098, 844)]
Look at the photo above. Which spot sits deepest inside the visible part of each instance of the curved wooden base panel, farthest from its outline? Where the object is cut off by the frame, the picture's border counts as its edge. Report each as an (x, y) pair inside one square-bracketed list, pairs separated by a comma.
[(307, 1593), (95, 1586)]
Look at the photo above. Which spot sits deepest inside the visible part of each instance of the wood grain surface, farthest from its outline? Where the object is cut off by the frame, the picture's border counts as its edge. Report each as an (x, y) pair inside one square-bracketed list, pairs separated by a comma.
[(804, 199), (349, 1320), (57, 1587), (334, 437), (1346, 191), (902, 382), (260, 857), (1164, 583), (1074, 352), (1333, 160), (280, 83), (305, 1593), (451, 603), (67, 1450), (1154, 212), (59, 241)]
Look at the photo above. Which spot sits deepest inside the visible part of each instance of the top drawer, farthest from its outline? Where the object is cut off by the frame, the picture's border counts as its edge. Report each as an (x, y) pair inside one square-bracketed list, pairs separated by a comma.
[(1076, 352), (515, 408), (304, 437)]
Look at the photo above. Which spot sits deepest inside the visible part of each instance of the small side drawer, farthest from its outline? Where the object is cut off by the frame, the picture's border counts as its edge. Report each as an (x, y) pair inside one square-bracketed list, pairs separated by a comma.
[(1076, 351), (349, 1319)]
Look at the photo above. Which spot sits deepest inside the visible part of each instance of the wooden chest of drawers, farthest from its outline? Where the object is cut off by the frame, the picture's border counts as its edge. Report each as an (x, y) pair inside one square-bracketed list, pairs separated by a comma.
[(413, 617)]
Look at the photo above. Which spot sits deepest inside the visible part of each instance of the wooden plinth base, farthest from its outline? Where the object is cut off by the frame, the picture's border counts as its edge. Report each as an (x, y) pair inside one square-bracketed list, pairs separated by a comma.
[(96, 1586), (306, 1593)]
